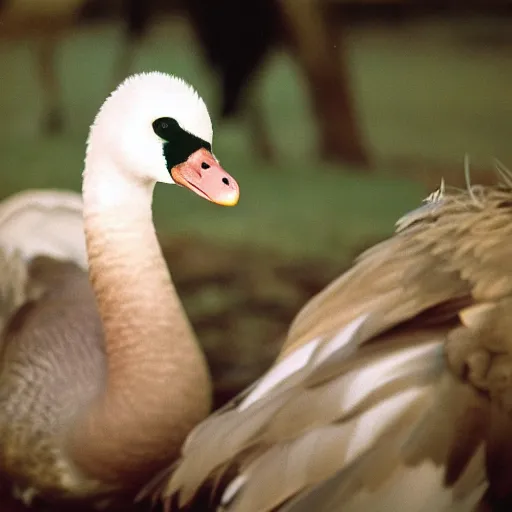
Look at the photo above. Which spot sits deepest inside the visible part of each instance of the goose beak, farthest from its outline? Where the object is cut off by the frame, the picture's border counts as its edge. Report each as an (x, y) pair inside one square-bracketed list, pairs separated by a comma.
[(202, 174)]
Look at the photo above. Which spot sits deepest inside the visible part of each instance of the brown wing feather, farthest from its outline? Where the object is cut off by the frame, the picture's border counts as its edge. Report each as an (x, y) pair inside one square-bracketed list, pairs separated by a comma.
[(396, 379)]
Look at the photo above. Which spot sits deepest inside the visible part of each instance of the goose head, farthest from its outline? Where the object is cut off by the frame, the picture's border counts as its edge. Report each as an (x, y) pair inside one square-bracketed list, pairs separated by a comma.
[(156, 128)]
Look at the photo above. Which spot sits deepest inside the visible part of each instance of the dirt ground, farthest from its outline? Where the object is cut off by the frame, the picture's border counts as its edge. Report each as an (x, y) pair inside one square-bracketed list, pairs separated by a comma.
[(241, 302)]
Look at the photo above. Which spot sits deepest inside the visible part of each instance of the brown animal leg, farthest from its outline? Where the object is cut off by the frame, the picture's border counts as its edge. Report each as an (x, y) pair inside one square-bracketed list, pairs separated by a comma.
[(258, 131), (328, 79), (53, 120)]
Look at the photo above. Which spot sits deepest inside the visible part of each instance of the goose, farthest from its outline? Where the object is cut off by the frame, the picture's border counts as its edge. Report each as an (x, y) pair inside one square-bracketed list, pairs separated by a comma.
[(101, 376), (393, 390)]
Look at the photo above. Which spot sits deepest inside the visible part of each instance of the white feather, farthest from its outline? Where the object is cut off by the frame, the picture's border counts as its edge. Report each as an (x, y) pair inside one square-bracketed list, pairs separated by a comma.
[(45, 222), (342, 339), (277, 374), (299, 359), (378, 373)]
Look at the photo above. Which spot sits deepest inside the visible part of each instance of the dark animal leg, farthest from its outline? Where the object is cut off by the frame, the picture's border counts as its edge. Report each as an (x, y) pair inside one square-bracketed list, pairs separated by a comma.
[(53, 120), (235, 50), (124, 63), (258, 131), (328, 81), (136, 14)]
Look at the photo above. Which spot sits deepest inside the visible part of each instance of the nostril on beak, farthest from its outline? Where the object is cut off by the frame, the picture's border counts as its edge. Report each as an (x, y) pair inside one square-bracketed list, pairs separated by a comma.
[(204, 165), (225, 181)]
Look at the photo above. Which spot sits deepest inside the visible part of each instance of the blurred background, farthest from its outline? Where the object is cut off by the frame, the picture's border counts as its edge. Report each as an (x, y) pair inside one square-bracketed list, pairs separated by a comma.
[(336, 117)]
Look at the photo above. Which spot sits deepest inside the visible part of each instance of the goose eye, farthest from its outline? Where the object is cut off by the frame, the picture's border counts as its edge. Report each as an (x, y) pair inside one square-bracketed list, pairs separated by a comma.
[(164, 127)]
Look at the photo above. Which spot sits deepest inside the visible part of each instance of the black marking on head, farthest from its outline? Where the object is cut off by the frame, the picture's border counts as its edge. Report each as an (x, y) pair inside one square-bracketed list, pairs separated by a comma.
[(179, 144)]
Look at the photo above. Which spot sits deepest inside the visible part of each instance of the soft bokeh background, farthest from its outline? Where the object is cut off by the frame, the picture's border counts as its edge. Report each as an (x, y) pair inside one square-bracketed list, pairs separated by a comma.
[(353, 114), (427, 84)]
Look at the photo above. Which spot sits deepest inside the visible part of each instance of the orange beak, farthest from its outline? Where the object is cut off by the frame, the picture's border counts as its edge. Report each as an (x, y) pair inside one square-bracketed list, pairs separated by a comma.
[(202, 174)]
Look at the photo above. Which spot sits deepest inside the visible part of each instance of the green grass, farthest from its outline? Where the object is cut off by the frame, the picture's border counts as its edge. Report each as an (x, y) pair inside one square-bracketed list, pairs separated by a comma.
[(303, 209), (420, 94)]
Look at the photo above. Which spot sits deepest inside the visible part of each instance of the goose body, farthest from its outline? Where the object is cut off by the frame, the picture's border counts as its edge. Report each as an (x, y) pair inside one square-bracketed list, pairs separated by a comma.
[(101, 377), (393, 389)]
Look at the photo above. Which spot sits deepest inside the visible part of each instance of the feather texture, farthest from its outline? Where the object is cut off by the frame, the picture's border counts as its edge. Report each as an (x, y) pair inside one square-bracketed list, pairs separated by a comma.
[(393, 388), (34, 223)]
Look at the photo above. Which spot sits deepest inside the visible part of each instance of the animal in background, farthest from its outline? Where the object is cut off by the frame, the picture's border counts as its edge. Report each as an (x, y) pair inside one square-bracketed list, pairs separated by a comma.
[(236, 38)]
